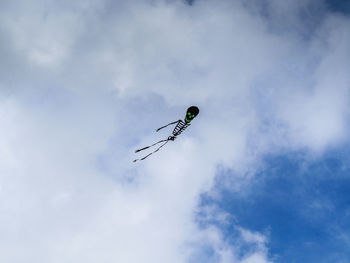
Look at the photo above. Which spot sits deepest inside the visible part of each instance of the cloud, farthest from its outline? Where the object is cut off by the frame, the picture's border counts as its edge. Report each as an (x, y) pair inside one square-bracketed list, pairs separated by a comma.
[(86, 83)]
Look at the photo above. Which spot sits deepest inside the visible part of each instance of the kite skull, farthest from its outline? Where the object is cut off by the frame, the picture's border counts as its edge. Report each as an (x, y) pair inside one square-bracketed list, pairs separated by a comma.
[(192, 112)]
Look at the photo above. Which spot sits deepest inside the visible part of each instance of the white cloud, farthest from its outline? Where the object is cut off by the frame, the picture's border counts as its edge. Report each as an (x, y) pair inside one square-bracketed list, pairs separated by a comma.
[(89, 82)]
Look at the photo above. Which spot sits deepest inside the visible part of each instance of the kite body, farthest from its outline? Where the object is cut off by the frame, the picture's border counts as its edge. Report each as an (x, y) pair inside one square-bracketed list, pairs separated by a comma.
[(192, 112), (180, 127)]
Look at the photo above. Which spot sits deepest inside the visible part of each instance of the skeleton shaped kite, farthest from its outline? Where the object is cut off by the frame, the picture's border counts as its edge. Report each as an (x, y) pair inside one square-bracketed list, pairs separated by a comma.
[(192, 112)]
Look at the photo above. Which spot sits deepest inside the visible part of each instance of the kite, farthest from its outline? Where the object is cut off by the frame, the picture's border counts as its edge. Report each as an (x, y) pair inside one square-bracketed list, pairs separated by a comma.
[(181, 125)]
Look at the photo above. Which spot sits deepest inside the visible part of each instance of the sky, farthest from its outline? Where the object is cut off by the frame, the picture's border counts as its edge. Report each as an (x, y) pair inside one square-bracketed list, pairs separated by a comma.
[(260, 176)]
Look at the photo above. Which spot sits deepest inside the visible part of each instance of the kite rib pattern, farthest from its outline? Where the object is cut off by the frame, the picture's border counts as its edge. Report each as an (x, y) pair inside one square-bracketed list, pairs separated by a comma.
[(180, 127)]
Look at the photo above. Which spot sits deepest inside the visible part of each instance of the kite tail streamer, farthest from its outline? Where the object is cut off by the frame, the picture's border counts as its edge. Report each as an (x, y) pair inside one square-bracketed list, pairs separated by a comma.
[(152, 152), (144, 148), (170, 138)]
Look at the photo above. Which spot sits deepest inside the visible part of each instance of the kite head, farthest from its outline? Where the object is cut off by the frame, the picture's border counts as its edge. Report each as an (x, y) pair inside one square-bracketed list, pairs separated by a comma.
[(192, 112)]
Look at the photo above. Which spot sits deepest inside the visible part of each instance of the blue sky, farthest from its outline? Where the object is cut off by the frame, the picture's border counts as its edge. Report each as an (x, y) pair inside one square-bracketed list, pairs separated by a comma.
[(338, 6), (261, 175), (302, 205)]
